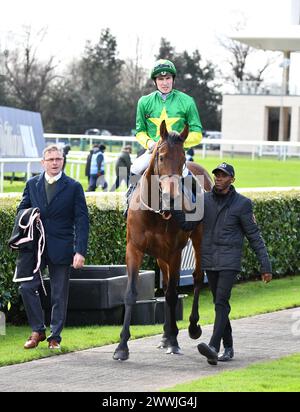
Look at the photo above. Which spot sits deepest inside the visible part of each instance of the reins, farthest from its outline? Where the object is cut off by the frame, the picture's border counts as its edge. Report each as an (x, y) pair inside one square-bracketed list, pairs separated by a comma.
[(165, 214)]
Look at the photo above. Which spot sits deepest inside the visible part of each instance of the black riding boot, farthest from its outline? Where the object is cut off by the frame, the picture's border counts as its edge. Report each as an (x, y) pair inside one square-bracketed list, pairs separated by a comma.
[(128, 195), (133, 184)]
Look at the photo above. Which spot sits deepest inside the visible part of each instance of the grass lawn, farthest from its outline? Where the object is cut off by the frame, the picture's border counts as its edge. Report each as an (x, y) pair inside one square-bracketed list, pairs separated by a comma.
[(282, 375), (249, 173), (259, 172), (248, 299)]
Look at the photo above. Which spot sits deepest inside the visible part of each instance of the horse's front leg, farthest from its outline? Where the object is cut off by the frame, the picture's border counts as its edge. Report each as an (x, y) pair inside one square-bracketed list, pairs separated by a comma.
[(133, 261), (171, 294), (195, 330)]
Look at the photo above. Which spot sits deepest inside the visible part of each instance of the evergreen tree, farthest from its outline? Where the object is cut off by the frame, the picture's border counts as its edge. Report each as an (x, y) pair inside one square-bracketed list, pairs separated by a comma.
[(100, 76)]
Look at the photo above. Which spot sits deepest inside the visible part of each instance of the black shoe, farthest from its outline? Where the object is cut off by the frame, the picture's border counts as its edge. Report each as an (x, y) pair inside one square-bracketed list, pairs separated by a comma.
[(227, 355), (209, 352)]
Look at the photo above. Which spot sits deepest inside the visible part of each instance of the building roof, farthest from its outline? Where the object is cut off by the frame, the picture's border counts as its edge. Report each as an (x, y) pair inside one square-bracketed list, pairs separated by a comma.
[(278, 39)]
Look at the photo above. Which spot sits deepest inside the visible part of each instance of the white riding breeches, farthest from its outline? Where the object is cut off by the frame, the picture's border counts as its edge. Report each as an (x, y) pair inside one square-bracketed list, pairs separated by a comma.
[(141, 163)]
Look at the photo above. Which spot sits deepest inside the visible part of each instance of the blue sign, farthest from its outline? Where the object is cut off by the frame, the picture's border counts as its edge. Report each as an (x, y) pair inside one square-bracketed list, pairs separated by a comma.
[(21, 136)]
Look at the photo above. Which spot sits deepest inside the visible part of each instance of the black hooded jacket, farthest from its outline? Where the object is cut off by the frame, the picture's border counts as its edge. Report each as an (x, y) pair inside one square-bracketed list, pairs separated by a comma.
[(227, 220)]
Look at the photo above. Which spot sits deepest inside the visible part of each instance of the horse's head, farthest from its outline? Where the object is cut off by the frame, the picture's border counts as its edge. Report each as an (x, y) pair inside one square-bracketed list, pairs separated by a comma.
[(169, 159)]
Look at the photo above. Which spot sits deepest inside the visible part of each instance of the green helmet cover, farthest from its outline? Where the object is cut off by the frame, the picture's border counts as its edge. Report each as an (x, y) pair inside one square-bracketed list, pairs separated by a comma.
[(163, 66)]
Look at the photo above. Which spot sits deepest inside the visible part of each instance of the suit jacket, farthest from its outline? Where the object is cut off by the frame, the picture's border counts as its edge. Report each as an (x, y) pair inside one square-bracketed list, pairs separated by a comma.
[(65, 218), (226, 223)]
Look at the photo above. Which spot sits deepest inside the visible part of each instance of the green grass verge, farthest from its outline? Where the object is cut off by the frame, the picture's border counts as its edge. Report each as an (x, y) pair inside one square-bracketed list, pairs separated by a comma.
[(258, 172), (281, 375), (248, 299)]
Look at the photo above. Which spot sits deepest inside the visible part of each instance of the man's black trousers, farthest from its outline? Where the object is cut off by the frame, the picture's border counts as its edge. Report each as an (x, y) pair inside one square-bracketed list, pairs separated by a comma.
[(221, 283)]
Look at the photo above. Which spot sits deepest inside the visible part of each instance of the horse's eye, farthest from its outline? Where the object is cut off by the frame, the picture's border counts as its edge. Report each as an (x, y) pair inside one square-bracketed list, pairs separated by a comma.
[(161, 158)]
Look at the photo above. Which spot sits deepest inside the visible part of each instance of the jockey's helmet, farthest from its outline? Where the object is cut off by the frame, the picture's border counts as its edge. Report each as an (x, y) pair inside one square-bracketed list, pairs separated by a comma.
[(162, 67)]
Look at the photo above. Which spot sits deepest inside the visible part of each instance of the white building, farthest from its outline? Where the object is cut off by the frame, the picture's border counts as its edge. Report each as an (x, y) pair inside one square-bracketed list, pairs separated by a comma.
[(263, 113)]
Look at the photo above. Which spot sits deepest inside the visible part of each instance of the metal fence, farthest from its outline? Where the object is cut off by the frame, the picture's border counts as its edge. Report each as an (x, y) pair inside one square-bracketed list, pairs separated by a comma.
[(255, 148)]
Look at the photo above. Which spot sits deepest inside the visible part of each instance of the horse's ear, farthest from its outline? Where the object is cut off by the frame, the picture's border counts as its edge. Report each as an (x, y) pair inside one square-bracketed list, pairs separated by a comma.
[(163, 130), (185, 132)]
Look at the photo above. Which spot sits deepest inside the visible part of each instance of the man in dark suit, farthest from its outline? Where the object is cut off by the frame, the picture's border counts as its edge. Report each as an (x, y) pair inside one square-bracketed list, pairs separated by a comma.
[(64, 215)]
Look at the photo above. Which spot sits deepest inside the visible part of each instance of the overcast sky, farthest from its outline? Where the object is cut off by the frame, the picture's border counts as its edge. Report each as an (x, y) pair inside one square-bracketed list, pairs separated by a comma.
[(187, 24)]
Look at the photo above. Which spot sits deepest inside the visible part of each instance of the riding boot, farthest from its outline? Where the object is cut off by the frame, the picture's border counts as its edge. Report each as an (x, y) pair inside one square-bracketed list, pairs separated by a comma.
[(193, 186), (133, 184), (128, 194)]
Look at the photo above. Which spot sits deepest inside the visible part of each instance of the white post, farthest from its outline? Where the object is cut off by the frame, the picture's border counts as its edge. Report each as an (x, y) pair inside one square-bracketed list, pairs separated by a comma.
[(78, 171), (28, 170), (110, 177), (72, 169), (284, 152)]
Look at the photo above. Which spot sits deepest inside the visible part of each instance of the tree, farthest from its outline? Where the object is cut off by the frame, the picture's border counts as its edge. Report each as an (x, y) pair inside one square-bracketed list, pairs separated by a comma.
[(239, 57), (63, 111), (166, 50), (132, 87), (3, 93), (27, 78), (99, 79)]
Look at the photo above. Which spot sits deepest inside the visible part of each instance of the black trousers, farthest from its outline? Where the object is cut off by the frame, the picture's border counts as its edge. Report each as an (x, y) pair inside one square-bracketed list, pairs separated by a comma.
[(59, 282), (221, 283)]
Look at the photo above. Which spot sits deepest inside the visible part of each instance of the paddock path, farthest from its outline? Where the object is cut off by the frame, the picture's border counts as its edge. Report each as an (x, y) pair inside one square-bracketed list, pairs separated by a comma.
[(257, 338)]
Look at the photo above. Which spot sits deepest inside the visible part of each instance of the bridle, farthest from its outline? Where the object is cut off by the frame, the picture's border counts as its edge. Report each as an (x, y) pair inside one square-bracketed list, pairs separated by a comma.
[(165, 214)]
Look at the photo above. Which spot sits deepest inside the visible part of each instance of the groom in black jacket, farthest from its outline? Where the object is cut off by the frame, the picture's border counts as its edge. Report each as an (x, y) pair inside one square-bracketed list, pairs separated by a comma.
[(228, 218)]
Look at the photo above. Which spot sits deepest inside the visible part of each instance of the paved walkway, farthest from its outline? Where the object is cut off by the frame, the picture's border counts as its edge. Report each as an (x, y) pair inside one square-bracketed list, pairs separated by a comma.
[(258, 338)]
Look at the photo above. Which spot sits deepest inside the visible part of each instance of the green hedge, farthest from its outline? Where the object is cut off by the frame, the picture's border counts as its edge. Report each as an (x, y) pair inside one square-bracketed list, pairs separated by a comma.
[(278, 215)]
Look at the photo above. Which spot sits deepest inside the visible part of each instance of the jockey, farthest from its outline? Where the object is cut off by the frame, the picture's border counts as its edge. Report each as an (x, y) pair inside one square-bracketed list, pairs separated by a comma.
[(165, 103)]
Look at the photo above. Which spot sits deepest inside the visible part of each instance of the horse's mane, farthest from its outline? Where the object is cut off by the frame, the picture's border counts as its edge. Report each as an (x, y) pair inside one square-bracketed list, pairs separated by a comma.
[(174, 138)]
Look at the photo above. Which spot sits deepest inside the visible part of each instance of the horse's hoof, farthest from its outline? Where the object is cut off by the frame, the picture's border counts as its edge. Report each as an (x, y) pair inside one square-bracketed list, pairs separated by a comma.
[(195, 332), (174, 350), (121, 354), (163, 344)]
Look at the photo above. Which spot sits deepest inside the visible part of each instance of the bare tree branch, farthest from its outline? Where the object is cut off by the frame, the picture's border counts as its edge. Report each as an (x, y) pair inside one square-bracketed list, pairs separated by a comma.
[(27, 77)]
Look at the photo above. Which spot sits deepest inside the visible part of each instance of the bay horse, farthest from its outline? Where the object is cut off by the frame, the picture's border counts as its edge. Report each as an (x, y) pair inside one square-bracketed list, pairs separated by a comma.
[(159, 235)]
